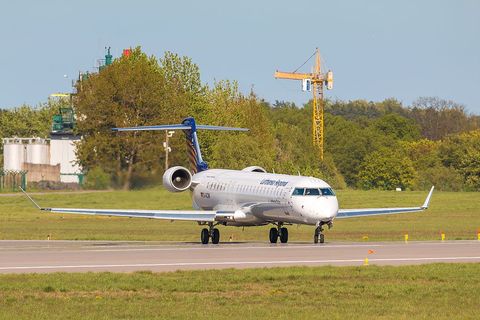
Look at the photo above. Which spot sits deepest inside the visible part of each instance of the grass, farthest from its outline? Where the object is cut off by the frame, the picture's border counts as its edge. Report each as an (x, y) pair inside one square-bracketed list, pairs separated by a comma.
[(434, 291), (455, 213)]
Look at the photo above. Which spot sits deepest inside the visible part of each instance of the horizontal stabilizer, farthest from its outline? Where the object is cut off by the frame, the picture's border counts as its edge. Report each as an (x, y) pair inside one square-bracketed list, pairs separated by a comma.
[(179, 127)]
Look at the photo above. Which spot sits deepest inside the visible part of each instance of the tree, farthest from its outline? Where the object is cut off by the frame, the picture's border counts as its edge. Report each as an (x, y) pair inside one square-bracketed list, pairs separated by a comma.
[(423, 153), (384, 169), (348, 143), (462, 152), (227, 106), (397, 127), (27, 121), (439, 118), (470, 168), (132, 91)]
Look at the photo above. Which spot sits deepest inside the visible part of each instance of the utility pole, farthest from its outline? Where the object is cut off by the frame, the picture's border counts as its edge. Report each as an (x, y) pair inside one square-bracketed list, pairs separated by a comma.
[(166, 146)]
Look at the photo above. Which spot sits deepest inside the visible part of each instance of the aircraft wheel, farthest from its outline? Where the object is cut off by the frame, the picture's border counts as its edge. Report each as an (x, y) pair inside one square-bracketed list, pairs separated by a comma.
[(204, 236), (318, 236), (322, 238), (283, 235), (273, 235), (215, 236)]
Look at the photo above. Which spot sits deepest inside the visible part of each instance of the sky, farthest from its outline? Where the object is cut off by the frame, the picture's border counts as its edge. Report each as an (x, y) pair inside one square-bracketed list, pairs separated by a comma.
[(377, 49)]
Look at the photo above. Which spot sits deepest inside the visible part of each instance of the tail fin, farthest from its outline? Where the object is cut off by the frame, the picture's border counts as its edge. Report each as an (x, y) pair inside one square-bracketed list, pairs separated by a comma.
[(193, 147)]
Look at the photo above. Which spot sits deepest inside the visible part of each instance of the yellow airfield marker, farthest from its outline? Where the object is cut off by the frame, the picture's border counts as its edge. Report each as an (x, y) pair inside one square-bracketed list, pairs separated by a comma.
[(406, 237), (365, 262), (365, 237), (443, 236), (478, 236)]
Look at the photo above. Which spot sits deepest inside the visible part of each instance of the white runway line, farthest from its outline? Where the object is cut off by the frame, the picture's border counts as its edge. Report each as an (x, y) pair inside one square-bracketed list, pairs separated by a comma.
[(224, 263)]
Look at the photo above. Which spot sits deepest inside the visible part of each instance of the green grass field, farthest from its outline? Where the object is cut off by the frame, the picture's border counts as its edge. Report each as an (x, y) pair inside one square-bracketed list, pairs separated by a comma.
[(434, 291), (455, 213)]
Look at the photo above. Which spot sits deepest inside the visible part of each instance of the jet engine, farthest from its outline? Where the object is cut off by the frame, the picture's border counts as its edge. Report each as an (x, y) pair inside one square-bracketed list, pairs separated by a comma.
[(255, 169), (177, 179)]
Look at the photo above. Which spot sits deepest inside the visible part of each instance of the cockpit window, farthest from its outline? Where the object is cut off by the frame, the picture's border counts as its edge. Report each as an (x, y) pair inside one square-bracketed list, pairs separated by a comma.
[(298, 192), (327, 192), (312, 192)]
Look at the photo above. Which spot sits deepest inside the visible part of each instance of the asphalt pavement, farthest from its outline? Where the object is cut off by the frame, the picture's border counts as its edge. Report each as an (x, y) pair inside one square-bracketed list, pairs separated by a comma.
[(25, 256)]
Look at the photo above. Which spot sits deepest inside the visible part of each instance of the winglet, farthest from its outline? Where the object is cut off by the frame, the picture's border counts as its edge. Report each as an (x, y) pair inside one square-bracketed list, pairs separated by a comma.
[(427, 201), (30, 198)]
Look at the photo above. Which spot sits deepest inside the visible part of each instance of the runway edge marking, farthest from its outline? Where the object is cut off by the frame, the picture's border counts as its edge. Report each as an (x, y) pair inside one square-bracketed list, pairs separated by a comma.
[(185, 264)]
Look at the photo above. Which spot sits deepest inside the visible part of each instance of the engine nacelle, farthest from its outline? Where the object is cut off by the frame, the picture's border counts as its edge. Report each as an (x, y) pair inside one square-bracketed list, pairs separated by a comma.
[(177, 179), (255, 169)]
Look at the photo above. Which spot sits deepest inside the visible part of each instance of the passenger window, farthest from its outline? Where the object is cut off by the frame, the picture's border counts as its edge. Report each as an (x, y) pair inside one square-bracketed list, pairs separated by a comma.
[(298, 192), (312, 192)]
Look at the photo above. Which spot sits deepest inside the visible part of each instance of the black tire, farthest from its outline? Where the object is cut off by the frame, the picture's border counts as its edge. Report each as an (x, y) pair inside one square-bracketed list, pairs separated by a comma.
[(322, 238), (315, 238), (273, 235), (204, 236), (215, 236), (283, 235)]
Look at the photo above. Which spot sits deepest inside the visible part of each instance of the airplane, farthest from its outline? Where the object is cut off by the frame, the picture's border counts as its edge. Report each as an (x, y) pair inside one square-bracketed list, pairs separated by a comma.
[(248, 197)]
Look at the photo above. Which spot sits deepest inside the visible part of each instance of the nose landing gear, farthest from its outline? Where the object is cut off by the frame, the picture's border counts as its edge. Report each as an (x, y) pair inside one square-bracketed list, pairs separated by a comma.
[(278, 232), (319, 236), (211, 232)]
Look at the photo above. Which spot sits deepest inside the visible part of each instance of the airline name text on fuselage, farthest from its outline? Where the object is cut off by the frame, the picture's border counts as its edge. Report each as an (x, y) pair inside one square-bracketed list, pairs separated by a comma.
[(277, 183)]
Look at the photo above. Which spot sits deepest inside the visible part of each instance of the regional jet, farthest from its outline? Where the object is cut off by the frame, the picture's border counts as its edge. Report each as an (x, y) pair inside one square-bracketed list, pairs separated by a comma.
[(248, 197)]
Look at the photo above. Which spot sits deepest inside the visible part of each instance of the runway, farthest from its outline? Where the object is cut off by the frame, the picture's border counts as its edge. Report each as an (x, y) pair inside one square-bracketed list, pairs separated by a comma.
[(83, 256)]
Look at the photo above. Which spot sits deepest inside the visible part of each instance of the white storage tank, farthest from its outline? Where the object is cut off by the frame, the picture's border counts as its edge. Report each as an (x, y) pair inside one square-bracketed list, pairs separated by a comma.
[(38, 151), (13, 153), (62, 151)]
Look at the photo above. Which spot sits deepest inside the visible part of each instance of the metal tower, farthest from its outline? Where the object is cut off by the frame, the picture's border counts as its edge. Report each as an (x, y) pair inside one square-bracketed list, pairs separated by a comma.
[(315, 83)]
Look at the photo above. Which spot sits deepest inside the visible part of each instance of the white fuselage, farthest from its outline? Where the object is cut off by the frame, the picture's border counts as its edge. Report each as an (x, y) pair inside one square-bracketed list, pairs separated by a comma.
[(259, 198)]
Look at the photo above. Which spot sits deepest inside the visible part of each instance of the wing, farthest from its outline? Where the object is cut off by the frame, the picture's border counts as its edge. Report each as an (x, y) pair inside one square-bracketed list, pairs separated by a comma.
[(352, 213), (185, 215)]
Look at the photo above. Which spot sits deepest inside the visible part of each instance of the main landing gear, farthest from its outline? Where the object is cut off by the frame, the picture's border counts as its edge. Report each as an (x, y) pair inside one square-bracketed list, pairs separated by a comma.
[(211, 232), (279, 232), (319, 236)]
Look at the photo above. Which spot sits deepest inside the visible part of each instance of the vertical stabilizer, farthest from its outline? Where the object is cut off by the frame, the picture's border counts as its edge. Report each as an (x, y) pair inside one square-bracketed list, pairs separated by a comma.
[(193, 147)]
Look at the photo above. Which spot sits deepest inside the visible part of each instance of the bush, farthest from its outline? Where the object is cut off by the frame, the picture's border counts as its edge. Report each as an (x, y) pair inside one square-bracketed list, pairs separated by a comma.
[(97, 179), (443, 178), (386, 169)]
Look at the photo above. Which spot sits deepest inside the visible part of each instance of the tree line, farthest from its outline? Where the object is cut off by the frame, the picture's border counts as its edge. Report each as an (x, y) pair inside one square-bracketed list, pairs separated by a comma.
[(368, 145)]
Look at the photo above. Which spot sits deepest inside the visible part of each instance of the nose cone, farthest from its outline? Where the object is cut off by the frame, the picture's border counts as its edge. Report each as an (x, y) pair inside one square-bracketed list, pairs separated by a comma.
[(322, 208)]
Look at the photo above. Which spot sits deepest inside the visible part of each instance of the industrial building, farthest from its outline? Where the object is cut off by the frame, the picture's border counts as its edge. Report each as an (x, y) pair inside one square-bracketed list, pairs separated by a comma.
[(48, 159), (51, 159)]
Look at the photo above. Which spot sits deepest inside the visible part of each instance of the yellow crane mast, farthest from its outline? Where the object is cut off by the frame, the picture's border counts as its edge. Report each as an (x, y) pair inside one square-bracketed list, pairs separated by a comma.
[(314, 82)]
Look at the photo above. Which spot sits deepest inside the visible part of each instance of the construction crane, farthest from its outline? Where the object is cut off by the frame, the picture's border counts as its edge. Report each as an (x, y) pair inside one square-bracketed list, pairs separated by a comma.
[(314, 82)]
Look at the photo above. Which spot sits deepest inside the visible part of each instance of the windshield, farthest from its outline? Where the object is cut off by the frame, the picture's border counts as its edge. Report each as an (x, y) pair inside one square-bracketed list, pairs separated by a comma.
[(313, 192), (327, 192), (298, 192)]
